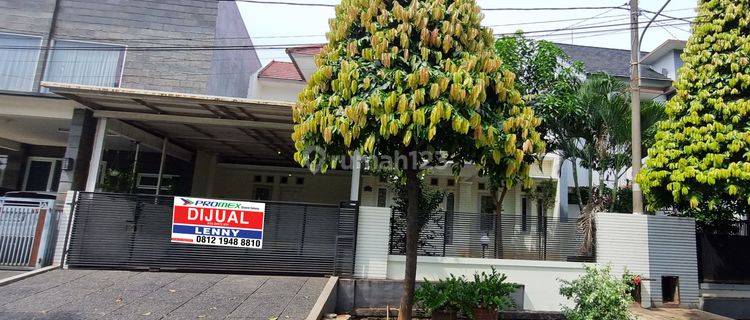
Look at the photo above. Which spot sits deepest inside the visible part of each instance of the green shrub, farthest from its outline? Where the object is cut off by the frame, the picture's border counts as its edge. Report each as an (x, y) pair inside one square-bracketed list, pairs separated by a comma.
[(487, 291), (490, 291), (443, 295), (597, 296)]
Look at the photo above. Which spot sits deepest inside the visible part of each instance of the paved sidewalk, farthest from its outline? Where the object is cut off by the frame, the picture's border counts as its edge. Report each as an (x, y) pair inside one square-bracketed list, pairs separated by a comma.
[(92, 294), (673, 314), (9, 273)]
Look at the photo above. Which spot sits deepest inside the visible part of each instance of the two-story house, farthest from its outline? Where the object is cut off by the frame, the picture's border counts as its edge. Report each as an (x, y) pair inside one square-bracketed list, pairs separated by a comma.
[(169, 46)]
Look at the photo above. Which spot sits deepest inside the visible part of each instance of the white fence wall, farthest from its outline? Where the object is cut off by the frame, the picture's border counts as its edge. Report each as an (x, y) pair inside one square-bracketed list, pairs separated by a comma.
[(541, 279), (62, 227), (652, 246), (373, 230)]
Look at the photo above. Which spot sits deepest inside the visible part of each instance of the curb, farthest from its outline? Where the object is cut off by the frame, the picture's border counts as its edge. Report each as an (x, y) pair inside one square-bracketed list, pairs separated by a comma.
[(316, 313), (25, 275)]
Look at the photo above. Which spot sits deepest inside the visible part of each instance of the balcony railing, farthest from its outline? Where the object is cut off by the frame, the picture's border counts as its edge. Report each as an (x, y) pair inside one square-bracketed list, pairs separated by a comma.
[(473, 235)]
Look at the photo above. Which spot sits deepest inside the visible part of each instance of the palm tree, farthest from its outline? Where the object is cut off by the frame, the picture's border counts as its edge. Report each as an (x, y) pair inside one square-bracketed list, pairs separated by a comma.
[(596, 135)]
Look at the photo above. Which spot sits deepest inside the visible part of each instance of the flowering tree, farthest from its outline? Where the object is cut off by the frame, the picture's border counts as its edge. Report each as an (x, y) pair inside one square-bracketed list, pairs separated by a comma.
[(418, 79), (700, 161)]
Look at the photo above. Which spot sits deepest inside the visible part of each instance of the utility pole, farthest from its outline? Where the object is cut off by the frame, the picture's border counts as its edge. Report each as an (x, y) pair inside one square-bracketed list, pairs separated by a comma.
[(635, 105)]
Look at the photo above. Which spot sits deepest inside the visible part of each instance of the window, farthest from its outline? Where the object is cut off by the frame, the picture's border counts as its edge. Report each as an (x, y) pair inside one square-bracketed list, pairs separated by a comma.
[(3, 165), (382, 197), (524, 214), (42, 174), (434, 181), (85, 63), (451, 182), (450, 202), (19, 56), (262, 193), (148, 181)]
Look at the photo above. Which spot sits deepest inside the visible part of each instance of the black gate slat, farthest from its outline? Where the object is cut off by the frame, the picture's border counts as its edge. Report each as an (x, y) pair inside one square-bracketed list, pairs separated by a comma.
[(124, 231)]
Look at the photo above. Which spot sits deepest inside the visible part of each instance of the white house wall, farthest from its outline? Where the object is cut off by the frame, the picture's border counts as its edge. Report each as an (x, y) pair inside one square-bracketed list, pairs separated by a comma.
[(238, 182), (274, 89), (651, 246), (541, 279)]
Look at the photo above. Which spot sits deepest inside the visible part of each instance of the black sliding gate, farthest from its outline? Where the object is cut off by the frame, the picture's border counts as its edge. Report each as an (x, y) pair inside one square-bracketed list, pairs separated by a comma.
[(124, 231)]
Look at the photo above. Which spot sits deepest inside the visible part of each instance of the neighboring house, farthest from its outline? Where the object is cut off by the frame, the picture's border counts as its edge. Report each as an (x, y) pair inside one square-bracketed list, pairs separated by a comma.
[(658, 72), (467, 193), (124, 44)]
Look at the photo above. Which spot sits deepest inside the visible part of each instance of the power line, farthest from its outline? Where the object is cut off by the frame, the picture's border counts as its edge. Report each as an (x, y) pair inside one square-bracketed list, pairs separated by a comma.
[(329, 5), (277, 46), (578, 28)]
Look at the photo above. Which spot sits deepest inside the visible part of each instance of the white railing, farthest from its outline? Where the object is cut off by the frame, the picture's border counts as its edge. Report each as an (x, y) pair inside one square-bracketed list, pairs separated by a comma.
[(28, 229)]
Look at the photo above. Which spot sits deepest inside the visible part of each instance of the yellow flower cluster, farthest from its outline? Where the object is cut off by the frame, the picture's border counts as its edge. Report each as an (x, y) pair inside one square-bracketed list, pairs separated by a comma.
[(398, 77), (701, 155)]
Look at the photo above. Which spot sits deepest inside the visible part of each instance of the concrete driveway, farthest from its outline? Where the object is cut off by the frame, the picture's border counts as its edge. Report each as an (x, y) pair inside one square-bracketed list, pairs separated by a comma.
[(94, 294)]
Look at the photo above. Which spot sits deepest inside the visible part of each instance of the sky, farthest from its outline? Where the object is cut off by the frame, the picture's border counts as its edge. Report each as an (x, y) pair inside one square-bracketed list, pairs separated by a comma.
[(285, 25)]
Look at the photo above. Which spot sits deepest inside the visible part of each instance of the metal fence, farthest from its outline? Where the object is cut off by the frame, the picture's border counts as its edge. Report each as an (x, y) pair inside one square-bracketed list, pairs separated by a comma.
[(462, 234), (125, 231), (28, 229), (723, 257)]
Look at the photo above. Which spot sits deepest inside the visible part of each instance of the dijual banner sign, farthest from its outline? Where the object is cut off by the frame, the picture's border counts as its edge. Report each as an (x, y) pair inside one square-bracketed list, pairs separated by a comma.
[(218, 222)]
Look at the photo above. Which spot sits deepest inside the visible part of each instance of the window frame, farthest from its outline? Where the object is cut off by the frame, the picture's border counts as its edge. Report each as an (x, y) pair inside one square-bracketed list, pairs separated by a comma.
[(120, 62), (38, 57), (163, 187), (53, 166), (3, 166)]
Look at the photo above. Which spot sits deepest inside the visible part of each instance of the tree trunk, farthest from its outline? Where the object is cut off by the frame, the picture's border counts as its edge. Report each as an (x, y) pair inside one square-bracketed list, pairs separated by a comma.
[(412, 237), (577, 187), (498, 222), (615, 188), (591, 185)]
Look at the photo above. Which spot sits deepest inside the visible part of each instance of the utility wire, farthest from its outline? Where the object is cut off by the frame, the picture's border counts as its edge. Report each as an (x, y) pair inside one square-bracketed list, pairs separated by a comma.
[(309, 4), (285, 46)]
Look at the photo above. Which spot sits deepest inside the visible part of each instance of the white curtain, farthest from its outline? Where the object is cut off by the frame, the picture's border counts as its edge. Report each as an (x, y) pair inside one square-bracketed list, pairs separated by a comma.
[(19, 56), (85, 63)]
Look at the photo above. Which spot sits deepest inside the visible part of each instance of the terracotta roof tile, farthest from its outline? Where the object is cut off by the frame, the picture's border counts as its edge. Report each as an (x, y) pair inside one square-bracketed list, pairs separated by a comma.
[(280, 70)]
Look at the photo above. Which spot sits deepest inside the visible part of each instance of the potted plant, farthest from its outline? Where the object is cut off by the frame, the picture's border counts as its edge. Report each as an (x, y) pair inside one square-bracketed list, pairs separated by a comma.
[(441, 299), (634, 284), (488, 295)]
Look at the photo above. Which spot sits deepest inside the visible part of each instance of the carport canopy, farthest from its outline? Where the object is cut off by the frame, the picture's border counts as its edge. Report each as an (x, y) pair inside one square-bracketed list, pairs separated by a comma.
[(236, 129)]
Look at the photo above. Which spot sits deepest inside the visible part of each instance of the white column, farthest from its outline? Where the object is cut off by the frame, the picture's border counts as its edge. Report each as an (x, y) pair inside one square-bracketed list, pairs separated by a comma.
[(204, 171), (96, 154), (356, 172)]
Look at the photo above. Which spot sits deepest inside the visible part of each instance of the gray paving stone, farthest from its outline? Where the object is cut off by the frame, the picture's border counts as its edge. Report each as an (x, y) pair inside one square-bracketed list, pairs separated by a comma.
[(9, 295), (89, 294), (102, 279), (148, 281), (103, 301), (282, 284), (264, 306), (48, 300), (148, 307), (207, 306), (238, 284), (50, 279)]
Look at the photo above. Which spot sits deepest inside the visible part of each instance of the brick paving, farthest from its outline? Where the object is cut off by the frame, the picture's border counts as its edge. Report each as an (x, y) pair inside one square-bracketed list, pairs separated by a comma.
[(96, 294)]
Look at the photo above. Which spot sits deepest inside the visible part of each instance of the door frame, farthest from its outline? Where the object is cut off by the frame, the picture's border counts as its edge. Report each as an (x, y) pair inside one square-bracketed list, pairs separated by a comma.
[(53, 167)]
